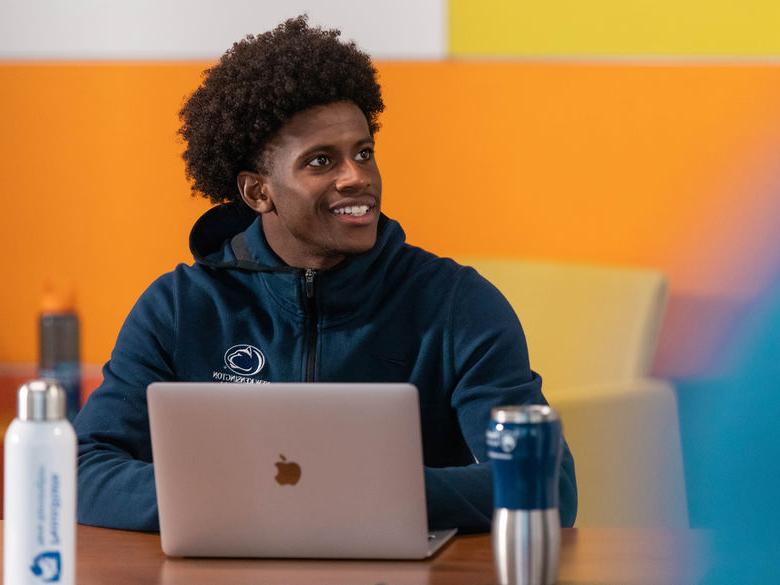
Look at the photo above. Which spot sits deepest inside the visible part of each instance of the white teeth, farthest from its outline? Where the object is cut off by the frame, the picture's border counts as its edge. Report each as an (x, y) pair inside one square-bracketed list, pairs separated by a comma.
[(355, 210)]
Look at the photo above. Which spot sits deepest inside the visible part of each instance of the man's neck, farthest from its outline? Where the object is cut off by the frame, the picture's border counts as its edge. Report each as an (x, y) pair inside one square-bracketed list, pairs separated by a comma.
[(292, 254)]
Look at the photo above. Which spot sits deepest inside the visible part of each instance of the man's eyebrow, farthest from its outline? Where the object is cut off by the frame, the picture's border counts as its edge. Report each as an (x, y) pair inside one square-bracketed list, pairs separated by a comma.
[(368, 140)]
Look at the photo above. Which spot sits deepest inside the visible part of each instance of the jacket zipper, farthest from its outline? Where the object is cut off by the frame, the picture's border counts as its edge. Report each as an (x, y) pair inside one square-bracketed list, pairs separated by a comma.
[(311, 315)]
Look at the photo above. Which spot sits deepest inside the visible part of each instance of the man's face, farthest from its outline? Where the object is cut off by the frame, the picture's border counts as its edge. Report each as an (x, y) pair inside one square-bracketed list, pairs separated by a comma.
[(322, 187)]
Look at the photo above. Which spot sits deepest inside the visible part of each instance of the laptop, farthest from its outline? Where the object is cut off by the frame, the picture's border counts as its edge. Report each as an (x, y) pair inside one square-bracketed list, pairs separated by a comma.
[(290, 471)]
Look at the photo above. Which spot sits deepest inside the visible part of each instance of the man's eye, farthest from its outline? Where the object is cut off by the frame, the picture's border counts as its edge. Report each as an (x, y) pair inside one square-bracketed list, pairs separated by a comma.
[(319, 161), (365, 154)]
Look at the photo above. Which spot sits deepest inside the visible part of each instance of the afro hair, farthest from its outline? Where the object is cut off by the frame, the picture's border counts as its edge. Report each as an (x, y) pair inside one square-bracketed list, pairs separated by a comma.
[(256, 86)]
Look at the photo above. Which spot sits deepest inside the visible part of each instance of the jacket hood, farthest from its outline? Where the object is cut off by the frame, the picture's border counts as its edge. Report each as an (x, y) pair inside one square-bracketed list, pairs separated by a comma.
[(212, 235)]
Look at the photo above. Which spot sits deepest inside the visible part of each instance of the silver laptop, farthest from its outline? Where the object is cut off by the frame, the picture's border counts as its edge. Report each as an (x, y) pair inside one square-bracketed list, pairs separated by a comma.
[(290, 470)]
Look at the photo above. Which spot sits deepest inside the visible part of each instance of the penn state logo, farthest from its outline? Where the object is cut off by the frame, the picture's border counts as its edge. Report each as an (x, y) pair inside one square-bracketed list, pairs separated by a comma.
[(244, 360), (508, 443)]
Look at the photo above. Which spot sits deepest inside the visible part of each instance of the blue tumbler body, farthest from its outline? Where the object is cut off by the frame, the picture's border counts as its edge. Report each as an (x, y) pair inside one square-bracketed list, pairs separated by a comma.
[(525, 446)]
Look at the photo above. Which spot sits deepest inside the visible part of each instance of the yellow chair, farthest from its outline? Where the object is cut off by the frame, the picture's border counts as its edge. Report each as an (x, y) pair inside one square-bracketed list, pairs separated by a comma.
[(592, 334)]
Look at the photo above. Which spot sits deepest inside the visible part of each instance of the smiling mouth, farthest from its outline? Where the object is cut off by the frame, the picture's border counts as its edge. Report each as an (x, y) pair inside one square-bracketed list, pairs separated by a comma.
[(353, 210), (357, 212)]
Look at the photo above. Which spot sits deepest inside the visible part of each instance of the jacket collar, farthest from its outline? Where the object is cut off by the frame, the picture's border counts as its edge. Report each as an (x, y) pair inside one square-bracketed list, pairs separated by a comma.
[(229, 237)]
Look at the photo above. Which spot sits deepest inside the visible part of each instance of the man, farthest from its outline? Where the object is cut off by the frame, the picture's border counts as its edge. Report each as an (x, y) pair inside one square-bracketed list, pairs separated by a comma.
[(299, 277)]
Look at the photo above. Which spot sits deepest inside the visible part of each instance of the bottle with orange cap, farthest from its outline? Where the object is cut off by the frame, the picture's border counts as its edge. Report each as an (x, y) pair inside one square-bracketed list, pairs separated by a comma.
[(59, 355)]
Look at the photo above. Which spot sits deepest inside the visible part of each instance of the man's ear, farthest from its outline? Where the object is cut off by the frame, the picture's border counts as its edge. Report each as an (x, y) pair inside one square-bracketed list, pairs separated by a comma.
[(254, 191)]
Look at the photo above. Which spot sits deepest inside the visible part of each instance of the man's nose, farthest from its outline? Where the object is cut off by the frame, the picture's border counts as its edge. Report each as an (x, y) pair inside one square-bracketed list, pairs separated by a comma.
[(353, 177)]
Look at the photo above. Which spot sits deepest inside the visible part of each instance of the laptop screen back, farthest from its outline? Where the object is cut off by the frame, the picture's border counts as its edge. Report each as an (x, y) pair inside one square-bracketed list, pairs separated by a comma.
[(289, 470)]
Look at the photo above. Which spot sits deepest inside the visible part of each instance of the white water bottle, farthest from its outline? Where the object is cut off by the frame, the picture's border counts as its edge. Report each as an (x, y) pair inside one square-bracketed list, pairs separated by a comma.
[(40, 490)]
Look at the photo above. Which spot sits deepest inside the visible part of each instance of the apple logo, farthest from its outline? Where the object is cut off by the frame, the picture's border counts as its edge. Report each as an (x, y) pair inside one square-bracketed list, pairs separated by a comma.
[(288, 472)]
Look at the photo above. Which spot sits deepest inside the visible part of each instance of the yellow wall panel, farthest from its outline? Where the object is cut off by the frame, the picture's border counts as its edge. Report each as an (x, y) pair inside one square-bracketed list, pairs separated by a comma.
[(615, 27)]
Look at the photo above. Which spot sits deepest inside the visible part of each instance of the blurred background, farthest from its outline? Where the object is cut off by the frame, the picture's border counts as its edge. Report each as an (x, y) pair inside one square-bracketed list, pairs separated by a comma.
[(638, 133)]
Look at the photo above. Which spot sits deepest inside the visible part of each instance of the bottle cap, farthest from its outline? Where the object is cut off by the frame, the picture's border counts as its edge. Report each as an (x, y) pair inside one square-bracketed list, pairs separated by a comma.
[(58, 300), (527, 413), (41, 400)]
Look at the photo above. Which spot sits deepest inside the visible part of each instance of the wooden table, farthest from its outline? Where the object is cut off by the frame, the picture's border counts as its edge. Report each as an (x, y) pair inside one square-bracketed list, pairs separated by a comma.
[(589, 557)]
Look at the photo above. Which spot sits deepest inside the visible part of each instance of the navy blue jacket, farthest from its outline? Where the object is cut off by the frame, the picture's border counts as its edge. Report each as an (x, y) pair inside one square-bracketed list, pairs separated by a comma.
[(393, 314)]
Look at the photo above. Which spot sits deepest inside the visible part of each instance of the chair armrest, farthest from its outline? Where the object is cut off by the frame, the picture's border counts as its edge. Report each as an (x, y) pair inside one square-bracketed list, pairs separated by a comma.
[(625, 438)]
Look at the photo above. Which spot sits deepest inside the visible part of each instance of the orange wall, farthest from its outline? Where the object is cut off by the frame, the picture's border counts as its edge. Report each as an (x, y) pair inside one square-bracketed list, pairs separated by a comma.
[(93, 192), (664, 166)]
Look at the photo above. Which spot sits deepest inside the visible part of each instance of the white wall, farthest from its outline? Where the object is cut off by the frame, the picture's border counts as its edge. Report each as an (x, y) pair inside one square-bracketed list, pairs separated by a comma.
[(204, 29)]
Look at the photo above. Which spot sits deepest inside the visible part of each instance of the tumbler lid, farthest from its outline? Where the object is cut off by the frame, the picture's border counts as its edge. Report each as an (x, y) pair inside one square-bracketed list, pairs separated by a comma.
[(526, 413), (41, 400)]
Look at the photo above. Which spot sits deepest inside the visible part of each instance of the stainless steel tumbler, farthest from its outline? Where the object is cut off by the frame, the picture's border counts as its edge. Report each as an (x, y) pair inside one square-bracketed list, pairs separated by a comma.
[(525, 446)]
